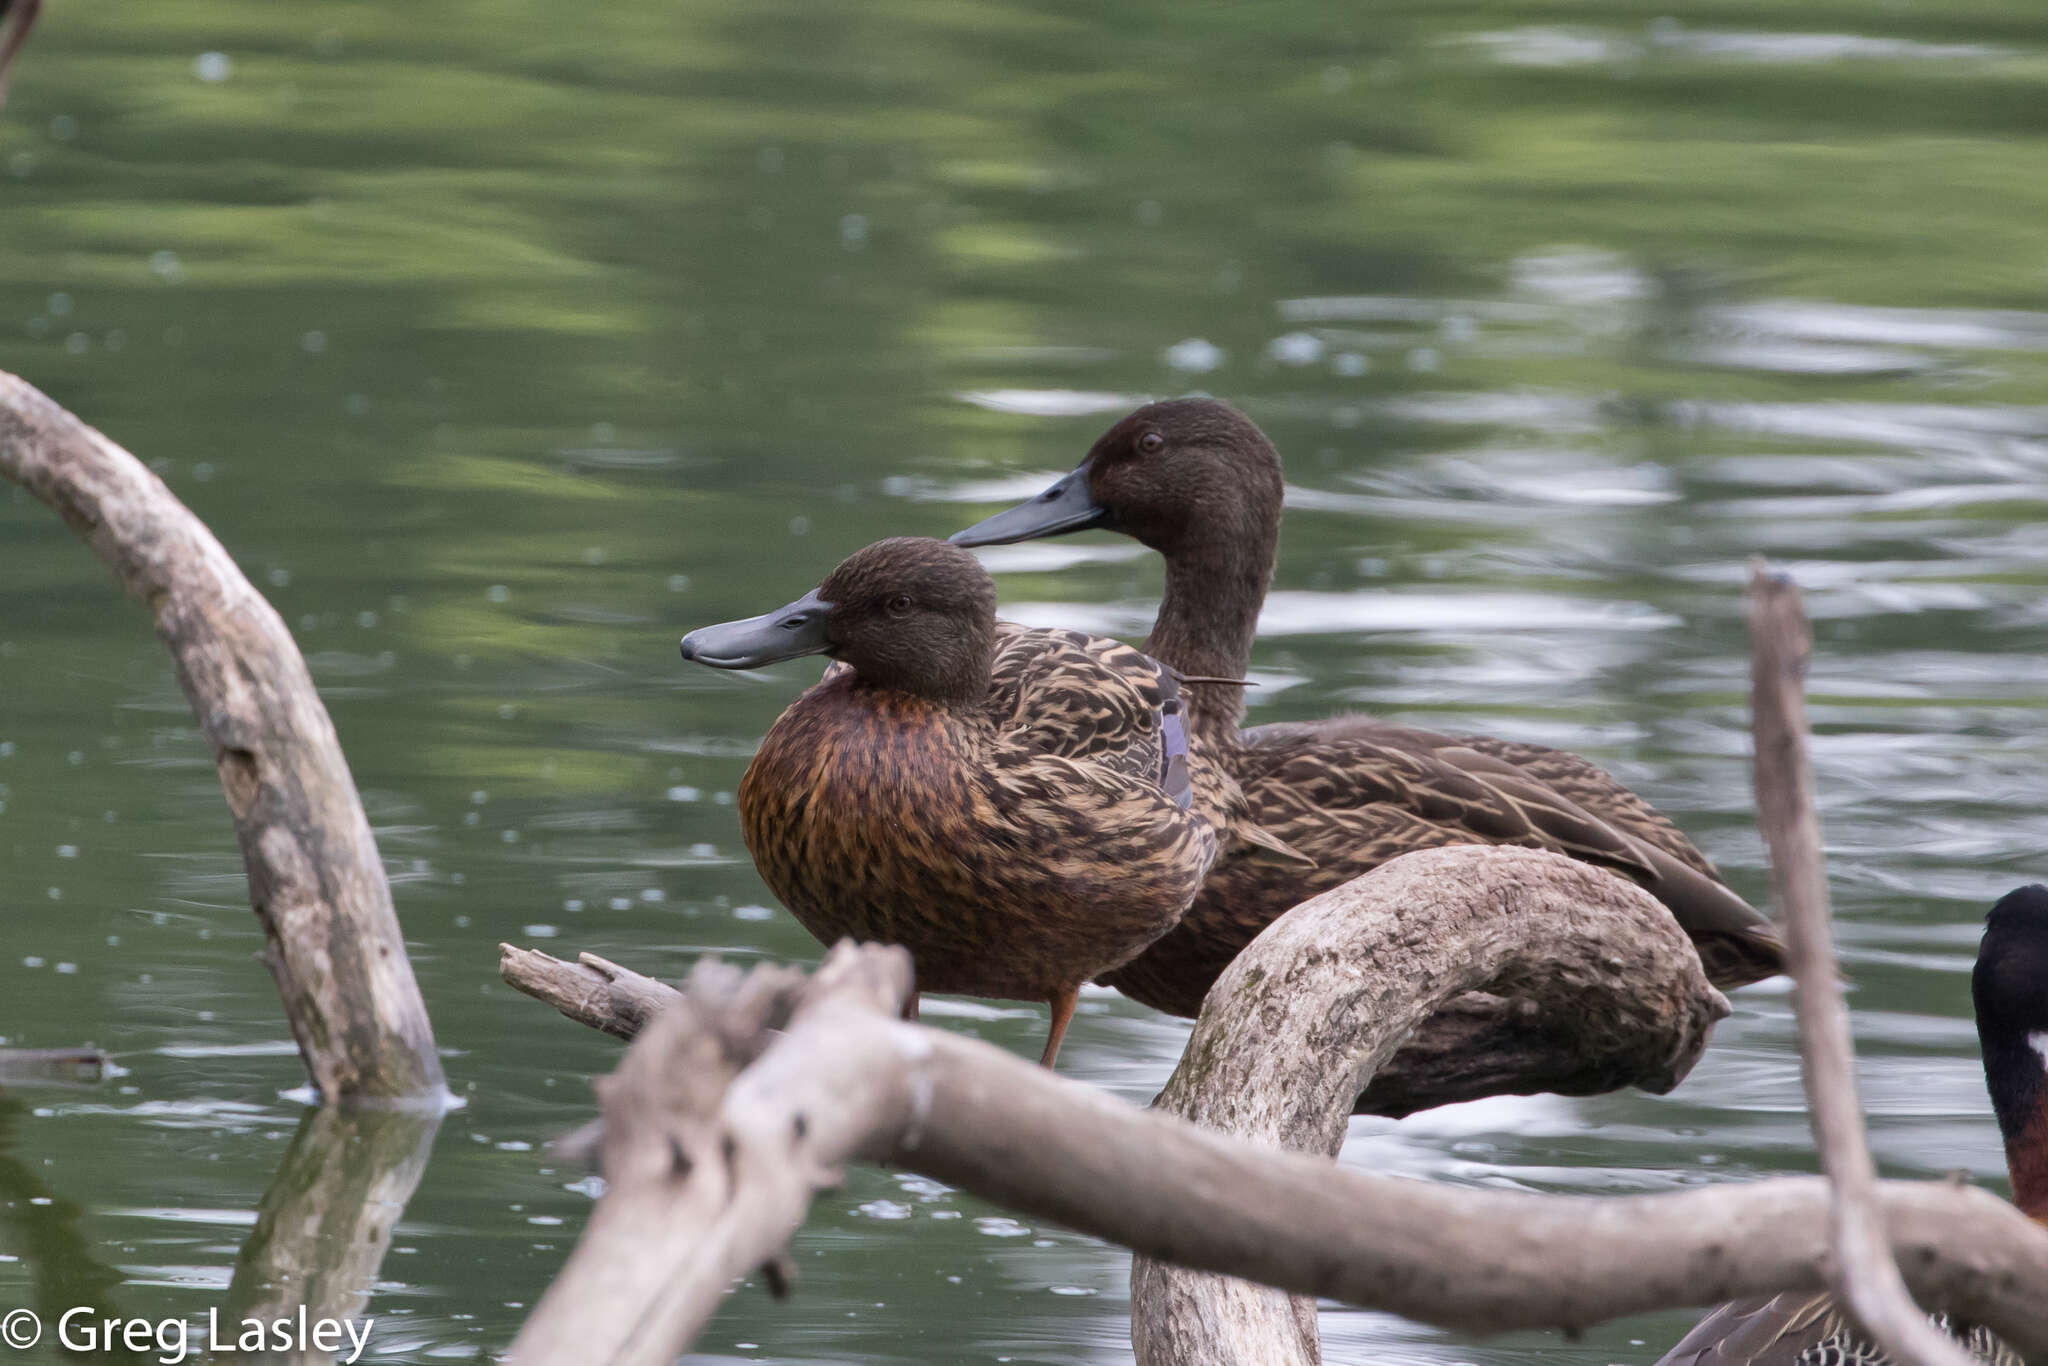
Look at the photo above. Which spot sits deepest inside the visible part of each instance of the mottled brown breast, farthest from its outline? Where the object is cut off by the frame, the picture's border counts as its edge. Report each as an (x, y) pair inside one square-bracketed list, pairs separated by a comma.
[(1007, 871)]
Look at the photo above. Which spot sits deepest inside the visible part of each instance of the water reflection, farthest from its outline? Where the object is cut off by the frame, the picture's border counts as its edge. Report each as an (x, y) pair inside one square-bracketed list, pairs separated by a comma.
[(499, 354), (60, 1264), (326, 1222)]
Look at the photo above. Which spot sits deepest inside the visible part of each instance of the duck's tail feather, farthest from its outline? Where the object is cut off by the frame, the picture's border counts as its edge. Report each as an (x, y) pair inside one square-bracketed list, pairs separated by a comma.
[(1737, 943)]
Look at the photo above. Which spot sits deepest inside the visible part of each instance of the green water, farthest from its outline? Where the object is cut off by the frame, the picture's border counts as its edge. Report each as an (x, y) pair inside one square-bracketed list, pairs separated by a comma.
[(502, 343)]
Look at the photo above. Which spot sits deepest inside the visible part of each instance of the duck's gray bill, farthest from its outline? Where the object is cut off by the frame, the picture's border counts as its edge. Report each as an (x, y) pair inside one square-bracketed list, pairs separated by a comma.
[(798, 629), (1064, 507)]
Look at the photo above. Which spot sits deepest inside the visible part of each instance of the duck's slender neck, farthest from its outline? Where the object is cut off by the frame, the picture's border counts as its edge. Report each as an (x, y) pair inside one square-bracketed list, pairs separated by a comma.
[(2019, 1093), (2016, 1074), (2028, 1164), (1207, 620)]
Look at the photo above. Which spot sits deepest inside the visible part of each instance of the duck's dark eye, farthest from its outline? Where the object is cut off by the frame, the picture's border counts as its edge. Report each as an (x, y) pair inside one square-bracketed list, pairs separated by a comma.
[(900, 604), (1151, 443)]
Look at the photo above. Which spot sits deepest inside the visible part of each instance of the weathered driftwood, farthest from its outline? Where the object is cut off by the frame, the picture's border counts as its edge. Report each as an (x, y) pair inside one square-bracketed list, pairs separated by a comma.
[(720, 1175), (1588, 973), (695, 1195), (1862, 1273), (328, 1215), (593, 991), (1595, 966), (1475, 1046), (63, 1065), (314, 875)]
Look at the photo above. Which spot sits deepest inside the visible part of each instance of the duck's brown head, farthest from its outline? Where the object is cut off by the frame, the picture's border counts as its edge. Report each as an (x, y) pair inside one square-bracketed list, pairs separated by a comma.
[(1181, 476), (2010, 991), (909, 614)]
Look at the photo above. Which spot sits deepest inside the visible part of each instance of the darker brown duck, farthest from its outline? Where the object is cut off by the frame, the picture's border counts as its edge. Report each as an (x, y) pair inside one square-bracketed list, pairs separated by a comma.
[(1197, 481), (1013, 806), (2009, 989)]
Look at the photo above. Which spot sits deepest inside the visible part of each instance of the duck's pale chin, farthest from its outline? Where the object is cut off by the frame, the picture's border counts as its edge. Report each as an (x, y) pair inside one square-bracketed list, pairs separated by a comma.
[(1065, 506), (786, 633)]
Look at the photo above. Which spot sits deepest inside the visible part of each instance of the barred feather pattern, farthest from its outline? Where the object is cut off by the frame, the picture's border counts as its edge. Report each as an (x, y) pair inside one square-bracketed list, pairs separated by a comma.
[(1846, 1349), (1800, 1328)]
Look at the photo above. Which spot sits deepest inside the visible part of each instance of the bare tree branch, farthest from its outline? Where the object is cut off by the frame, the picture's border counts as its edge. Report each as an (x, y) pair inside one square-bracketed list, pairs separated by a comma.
[(315, 879), (709, 1179), (696, 1194), (1862, 1272), (1478, 1045), (1593, 965), (81, 1065), (593, 991)]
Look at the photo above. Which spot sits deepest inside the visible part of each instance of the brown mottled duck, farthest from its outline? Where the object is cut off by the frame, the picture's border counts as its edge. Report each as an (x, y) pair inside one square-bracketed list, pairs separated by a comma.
[(1197, 481), (2010, 991), (1013, 806)]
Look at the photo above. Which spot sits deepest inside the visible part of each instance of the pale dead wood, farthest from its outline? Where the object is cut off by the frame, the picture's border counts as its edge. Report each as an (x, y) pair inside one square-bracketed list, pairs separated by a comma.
[(86, 1064), (1590, 965), (695, 1195), (709, 1180), (1863, 1275), (1591, 987), (1475, 1046), (315, 879), (593, 991)]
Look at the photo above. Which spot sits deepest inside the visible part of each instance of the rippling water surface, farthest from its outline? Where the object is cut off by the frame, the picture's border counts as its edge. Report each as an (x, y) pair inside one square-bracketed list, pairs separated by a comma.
[(501, 347)]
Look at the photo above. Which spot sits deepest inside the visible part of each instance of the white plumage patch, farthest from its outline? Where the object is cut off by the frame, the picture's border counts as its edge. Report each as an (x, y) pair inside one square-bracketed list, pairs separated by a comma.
[(2038, 1041)]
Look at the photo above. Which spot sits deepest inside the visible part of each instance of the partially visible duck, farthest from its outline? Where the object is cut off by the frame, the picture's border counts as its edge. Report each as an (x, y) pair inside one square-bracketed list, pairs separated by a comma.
[(1013, 806), (1197, 481), (2010, 991)]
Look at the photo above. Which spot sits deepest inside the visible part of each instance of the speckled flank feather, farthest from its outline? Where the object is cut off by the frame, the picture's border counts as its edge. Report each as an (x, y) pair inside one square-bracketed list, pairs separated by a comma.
[(1016, 847)]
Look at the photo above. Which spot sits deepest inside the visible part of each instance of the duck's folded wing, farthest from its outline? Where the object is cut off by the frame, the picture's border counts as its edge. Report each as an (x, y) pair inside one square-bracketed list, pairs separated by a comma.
[(1097, 701), (1097, 822), (1584, 783), (1509, 802), (1075, 696), (1736, 941), (1354, 776)]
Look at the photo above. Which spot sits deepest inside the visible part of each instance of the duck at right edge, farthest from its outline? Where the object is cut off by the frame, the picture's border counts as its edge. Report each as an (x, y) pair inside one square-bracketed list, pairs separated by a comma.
[(1197, 480), (2010, 991)]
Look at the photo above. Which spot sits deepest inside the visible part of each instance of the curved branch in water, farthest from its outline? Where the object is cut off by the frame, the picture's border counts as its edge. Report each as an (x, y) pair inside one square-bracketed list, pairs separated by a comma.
[(315, 879)]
